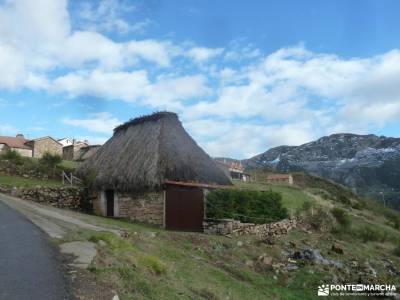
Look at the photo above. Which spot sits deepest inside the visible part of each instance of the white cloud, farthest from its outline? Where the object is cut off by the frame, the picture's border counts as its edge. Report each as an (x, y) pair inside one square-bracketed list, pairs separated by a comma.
[(99, 123), (133, 87), (107, 16), (202, 54), (243, 140), (233, 99)]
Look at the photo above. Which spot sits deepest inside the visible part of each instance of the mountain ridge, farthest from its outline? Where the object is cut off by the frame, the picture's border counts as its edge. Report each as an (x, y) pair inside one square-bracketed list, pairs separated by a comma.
[(368, 164)]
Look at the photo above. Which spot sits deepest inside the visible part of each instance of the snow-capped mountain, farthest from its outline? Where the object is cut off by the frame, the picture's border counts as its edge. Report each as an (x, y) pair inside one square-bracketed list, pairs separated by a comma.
[(369, 164)]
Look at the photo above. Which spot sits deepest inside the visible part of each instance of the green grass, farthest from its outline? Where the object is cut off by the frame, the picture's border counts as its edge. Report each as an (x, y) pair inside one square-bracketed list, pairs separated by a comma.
[(14, 181), (292, 197), (69, 164), (186, 266), (182, 265)]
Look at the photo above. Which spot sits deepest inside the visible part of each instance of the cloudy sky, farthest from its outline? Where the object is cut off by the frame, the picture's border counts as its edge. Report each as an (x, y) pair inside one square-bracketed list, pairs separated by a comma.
[(243, 76)]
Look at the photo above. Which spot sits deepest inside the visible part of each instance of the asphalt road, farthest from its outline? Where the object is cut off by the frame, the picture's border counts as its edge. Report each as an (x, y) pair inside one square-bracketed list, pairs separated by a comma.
[(29, 265)]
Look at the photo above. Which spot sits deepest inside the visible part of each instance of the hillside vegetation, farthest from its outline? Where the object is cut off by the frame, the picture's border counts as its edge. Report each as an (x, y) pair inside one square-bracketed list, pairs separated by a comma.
[(340, 238), (348, 245)]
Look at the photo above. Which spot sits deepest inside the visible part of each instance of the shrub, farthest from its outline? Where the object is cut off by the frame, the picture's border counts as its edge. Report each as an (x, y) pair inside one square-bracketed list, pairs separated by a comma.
[(50, 161), (393, 218), (342, 217), (246, 206), (13, 156), (320, 220), (358, 204), (396, 250), (306, 206), (369, 233), (343, 199)]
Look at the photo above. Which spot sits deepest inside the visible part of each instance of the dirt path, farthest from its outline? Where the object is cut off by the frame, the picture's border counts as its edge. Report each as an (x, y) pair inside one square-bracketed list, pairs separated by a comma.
[(54, 221)]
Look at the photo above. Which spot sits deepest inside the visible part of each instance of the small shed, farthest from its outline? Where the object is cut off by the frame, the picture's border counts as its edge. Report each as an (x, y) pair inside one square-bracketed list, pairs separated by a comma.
[(280, 179), (152, 171)]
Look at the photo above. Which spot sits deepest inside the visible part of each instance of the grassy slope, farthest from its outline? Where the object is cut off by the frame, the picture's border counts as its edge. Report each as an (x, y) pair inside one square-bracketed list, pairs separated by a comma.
[(173, 265), (12, 181)]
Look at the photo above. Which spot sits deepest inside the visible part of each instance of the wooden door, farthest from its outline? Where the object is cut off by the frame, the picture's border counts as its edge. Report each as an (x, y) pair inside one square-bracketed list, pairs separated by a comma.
[(110, 203), (184, 209)]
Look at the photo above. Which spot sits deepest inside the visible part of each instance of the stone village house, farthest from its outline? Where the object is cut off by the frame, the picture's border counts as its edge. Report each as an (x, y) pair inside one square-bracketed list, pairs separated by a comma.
[(234, 170), (152, 171), (79, 150), (280, 179), (30, 148)]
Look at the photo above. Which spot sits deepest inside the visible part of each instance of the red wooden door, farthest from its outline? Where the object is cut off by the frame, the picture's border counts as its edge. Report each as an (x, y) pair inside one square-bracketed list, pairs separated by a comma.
[(184, 209)]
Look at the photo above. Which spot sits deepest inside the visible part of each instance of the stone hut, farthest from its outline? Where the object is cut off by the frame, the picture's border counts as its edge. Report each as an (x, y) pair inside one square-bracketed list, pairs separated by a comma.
[(44, 145), (71, 152), (280, 179), (152, 171)]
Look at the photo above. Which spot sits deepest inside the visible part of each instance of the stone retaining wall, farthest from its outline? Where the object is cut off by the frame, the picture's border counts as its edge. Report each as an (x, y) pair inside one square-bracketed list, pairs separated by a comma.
[(234, 227), (8, 168), (62, 197)]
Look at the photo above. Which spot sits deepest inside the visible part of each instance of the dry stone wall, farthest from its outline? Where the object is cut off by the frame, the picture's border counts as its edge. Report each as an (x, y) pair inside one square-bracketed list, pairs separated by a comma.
[(62, 197), (142, 207), (234, 227)]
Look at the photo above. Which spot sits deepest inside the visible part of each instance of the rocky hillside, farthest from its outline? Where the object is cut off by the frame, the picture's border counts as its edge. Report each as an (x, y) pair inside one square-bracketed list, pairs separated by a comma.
[(368, 164)]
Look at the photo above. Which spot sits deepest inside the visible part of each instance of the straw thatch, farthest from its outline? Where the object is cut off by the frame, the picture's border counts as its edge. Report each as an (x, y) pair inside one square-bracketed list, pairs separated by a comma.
[(145, 152)]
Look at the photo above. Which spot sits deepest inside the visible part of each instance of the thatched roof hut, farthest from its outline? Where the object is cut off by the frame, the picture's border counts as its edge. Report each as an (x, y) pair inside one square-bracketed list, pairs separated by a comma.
[(147, 152)]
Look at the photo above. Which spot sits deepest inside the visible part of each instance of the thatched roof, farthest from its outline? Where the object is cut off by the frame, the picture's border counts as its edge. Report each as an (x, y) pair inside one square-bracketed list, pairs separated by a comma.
[(146, 152)]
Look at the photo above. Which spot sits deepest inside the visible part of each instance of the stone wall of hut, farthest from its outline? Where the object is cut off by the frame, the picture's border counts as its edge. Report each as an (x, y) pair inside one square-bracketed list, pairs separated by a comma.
[(142, 207)]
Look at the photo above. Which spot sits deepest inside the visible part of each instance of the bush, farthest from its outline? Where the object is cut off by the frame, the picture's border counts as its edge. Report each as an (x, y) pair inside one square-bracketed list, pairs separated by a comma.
[(246, 206), (343, 199), (393, 218), (306, 206), (396, 250), (342, 217), (13, 156), (50, 161), (320, 220), (369, 233)]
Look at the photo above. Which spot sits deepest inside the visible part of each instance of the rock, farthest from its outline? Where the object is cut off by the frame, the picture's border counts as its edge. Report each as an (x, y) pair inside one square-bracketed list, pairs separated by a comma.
[(354, 263), (115, 297), (266, 260), (239, 243), (278, 266), (150, 234), (337, 248), (83, 251), (315, 257), (291, 268), (269, 241), (102, 243), (369, 270), (249, 263)]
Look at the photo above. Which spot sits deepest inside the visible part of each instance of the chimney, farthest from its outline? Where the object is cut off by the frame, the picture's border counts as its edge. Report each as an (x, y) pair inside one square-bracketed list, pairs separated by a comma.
[(20, 136)]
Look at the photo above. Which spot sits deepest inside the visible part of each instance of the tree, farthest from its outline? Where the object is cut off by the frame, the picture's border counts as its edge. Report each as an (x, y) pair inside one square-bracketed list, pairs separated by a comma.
[(50, 161)]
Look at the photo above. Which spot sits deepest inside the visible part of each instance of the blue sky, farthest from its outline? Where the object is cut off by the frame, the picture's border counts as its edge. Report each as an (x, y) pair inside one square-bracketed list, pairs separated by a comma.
[(242, 77)]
